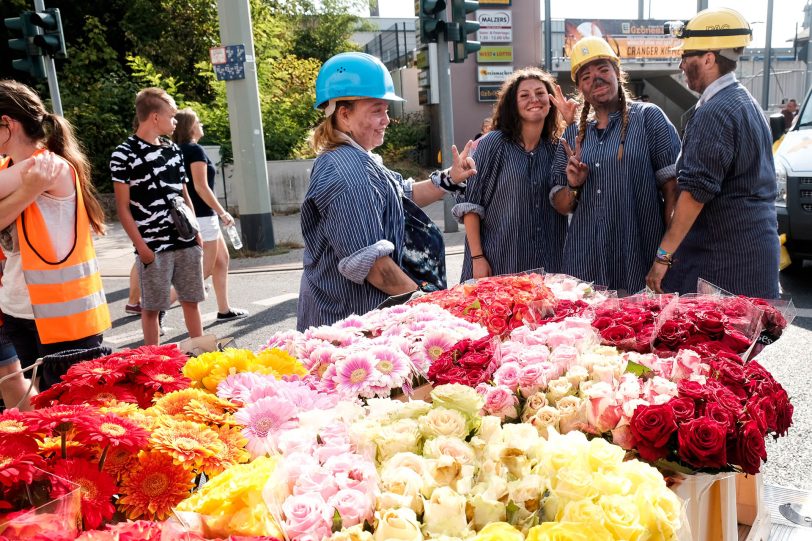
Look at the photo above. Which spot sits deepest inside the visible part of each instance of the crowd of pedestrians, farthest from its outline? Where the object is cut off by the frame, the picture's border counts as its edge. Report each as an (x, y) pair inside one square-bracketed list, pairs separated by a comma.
[(599, 187)]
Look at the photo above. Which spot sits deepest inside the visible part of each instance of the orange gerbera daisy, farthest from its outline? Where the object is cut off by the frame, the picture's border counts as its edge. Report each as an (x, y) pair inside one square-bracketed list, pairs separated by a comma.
[(119, 461), (235, 451), (153, 487), (186, 442), (174, 402), (210, 410), (52, 447)]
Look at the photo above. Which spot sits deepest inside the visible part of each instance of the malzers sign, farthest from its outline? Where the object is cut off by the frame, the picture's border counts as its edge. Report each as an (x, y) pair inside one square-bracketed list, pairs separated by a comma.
[(495, 26)]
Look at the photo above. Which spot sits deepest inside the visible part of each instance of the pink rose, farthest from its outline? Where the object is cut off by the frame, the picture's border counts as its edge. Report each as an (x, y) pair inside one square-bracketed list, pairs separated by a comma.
[(353, 506), (532, 378), (315, 482), (688, 362), (307, 514), (535, 354), (507, 375), (502, 402), (560, 338), (297, 463), (566, 356), (296, 440), (622, 436), (603, 410)]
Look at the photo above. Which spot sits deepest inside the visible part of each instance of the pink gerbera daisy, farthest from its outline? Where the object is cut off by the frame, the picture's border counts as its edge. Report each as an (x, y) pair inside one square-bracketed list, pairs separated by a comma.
[(436, 342), (392, 365), (262, 420), (356, 374)]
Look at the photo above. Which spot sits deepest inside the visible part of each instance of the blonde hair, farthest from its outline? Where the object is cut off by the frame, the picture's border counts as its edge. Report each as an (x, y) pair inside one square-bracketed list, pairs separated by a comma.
[(326, 135), (151, 100), (624, 97)]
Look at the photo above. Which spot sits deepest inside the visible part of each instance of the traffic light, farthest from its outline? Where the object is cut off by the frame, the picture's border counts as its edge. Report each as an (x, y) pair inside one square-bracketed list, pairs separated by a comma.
[(431, 21), (32, 63), (459, 12), (52, 41)]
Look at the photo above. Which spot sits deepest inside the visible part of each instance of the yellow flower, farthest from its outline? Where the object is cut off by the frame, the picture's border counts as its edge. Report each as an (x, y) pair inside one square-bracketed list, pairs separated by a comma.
[(659, 512), (499, 531), (569, 531), (602, 455), (186, 442), (235, 452), (196, 369), (174, 403), (209, 409), (281, 362), (622, 517)]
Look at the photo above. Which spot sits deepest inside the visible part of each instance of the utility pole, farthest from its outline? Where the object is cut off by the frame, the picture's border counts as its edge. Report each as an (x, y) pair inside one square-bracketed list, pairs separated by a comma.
[(808, 25), (247, 139), (548, 37), (701, 4), (50, 69), (768, 57), (446, 124)]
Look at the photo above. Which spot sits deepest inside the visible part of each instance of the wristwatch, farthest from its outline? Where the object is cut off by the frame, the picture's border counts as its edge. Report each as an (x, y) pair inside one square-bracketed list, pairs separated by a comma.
[(576, 191)]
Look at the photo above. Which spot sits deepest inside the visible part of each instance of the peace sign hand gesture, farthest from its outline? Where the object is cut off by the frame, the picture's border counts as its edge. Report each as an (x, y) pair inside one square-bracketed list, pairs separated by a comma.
[(463, 166), (577, 170), (568, 107)]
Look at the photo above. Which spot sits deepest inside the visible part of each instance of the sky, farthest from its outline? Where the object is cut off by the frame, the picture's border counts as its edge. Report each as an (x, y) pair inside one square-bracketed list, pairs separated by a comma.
[(786, 13)]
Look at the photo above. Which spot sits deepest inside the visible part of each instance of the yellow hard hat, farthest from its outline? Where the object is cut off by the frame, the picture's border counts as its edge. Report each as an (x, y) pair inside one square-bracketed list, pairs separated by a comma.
[(588, 49), (713, 30)]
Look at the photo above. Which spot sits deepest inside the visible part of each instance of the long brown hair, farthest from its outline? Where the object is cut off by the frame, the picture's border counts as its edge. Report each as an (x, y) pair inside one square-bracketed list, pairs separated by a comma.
[(21, 103), (506, 113), (624, 97), (186, 119)]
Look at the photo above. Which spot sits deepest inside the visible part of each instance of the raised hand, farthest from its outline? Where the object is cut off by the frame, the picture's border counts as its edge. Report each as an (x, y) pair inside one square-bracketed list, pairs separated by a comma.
[(463, 166), (41, 173), (568, 107), (577, 170)]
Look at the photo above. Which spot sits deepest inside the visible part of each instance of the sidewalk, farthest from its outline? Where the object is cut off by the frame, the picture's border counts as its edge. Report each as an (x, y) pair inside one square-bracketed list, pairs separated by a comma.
[(116, 255)]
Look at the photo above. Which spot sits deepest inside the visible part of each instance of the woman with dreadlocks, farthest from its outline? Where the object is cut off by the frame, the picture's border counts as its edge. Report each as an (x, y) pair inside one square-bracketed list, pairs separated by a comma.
[(614, 175)]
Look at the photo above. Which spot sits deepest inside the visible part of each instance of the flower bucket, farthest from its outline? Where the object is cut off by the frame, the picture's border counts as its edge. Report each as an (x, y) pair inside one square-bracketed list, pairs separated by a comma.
[(62, 514), (710, 506)]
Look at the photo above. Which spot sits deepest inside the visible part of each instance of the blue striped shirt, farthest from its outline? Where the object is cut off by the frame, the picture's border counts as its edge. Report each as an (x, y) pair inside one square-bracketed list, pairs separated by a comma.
[(618, 223), (351, 215), (727, 164), (519, 229)]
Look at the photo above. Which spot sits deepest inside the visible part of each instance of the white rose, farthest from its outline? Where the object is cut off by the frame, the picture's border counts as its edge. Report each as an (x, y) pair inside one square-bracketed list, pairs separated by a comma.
[(534, 402), (573, 413), (443, 422), (406, 483), (412, 461), (446, 446), (402, 436), (520, 436), (353, 533), (486, 511), (492, 483), (576, 375), (558, 389), (414, 409), (527, 491), (398, 524), (444, 471), (445, 514), (545, 418), (490, 430)]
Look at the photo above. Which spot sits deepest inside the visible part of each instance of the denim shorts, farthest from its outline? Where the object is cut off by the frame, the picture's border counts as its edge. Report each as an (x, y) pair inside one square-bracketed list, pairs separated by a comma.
[(7, 353)]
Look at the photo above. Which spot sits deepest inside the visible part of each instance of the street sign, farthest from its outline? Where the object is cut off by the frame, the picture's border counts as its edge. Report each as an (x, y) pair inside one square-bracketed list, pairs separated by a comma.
[(494, 3), (217, 55), (229, 72), (228, 62), (488, 93), (495, 53), (495, 26), (493, 74)]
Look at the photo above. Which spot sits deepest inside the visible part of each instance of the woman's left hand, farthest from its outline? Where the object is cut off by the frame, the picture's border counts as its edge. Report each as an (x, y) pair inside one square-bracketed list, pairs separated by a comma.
[(463, 166), (654, 278), (566, 106), (42, 173)]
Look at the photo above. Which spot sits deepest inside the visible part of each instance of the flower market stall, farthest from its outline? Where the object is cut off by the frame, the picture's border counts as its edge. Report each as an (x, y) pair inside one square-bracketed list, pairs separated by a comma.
[(529, 407)]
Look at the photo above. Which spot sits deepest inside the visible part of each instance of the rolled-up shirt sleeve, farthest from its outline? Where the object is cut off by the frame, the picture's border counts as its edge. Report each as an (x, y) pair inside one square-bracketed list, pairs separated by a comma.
[(356, 267), (461, 209), (706, 160), (663, 142)]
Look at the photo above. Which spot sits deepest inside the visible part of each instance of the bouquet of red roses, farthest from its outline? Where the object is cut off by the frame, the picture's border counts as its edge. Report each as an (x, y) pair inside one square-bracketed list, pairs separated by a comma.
[(718, 424), (468, 362), (628, 323)]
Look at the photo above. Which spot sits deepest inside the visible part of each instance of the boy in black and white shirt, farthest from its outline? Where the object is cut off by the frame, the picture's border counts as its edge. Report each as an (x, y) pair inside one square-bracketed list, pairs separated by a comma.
[(148, 172)]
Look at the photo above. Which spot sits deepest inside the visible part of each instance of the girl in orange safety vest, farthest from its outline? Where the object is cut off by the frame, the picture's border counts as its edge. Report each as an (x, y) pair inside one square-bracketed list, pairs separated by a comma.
[(51, 295)]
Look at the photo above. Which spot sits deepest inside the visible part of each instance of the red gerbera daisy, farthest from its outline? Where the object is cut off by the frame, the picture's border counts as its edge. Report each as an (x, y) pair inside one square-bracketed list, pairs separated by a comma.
[(112, 430), (104, 371), (50, 396), (14, 424), (161, 378), (18, 462), (99, 395), (98, 487), (61, 418)]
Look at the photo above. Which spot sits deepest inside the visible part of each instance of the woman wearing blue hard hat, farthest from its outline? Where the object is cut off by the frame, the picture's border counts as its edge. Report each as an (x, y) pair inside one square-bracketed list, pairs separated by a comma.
[(366, 238)]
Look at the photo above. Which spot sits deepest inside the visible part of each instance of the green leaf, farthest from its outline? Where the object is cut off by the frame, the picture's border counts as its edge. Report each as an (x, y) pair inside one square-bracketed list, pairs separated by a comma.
[(476, 305), (638, 369), (337, 525), (676, 467)]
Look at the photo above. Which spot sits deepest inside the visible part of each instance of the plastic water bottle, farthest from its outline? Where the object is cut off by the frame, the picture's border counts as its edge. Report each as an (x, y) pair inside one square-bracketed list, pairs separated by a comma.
[(234, 236)]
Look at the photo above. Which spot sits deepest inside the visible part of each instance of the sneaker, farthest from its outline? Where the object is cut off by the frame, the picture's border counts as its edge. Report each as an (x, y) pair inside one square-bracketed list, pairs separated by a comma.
[(233, 313), (134, 309), (161, 316)]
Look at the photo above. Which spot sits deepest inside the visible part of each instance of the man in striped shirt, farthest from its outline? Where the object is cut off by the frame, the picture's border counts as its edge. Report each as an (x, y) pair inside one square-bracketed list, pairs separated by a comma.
[(724, 228)]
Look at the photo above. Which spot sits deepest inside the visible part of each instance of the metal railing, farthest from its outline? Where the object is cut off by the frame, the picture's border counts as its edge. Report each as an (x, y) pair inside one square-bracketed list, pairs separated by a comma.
[(393, 45)]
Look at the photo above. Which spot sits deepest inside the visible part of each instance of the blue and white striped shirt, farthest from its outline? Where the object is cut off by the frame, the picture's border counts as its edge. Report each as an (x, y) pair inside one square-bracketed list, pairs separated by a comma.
[(352, 214), (519, 229), (618, 223), (727, 164)]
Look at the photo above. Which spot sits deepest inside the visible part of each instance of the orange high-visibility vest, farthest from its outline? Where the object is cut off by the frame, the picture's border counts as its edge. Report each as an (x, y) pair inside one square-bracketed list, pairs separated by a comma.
[(67, 295)]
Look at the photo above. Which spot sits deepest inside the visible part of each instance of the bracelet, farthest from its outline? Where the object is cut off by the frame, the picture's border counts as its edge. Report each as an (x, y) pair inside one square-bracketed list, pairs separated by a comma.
[(663, 253), (442, 179), (666, 260), (480, 256), (576, 192)]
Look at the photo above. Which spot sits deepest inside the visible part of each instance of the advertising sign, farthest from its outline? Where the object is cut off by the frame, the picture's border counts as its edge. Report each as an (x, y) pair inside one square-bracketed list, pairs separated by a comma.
[(637, 39), (495, 3), (495, 53), (493, 74), (495, 26), (487, 92)]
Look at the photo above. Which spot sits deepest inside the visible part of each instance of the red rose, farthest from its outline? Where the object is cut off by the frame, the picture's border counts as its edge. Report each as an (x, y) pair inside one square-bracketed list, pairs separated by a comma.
[(652, 427), (722, 416), (731, 374), (736, 341), (602, 322), (710, 322), (643, 339), (728, 400), (617, 334), (702, 443), (672, 334), (784, 410), (684, 409), (759, 379), (691, 389), (496, 325), (635, 319), (753, 411), (749, 448)]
